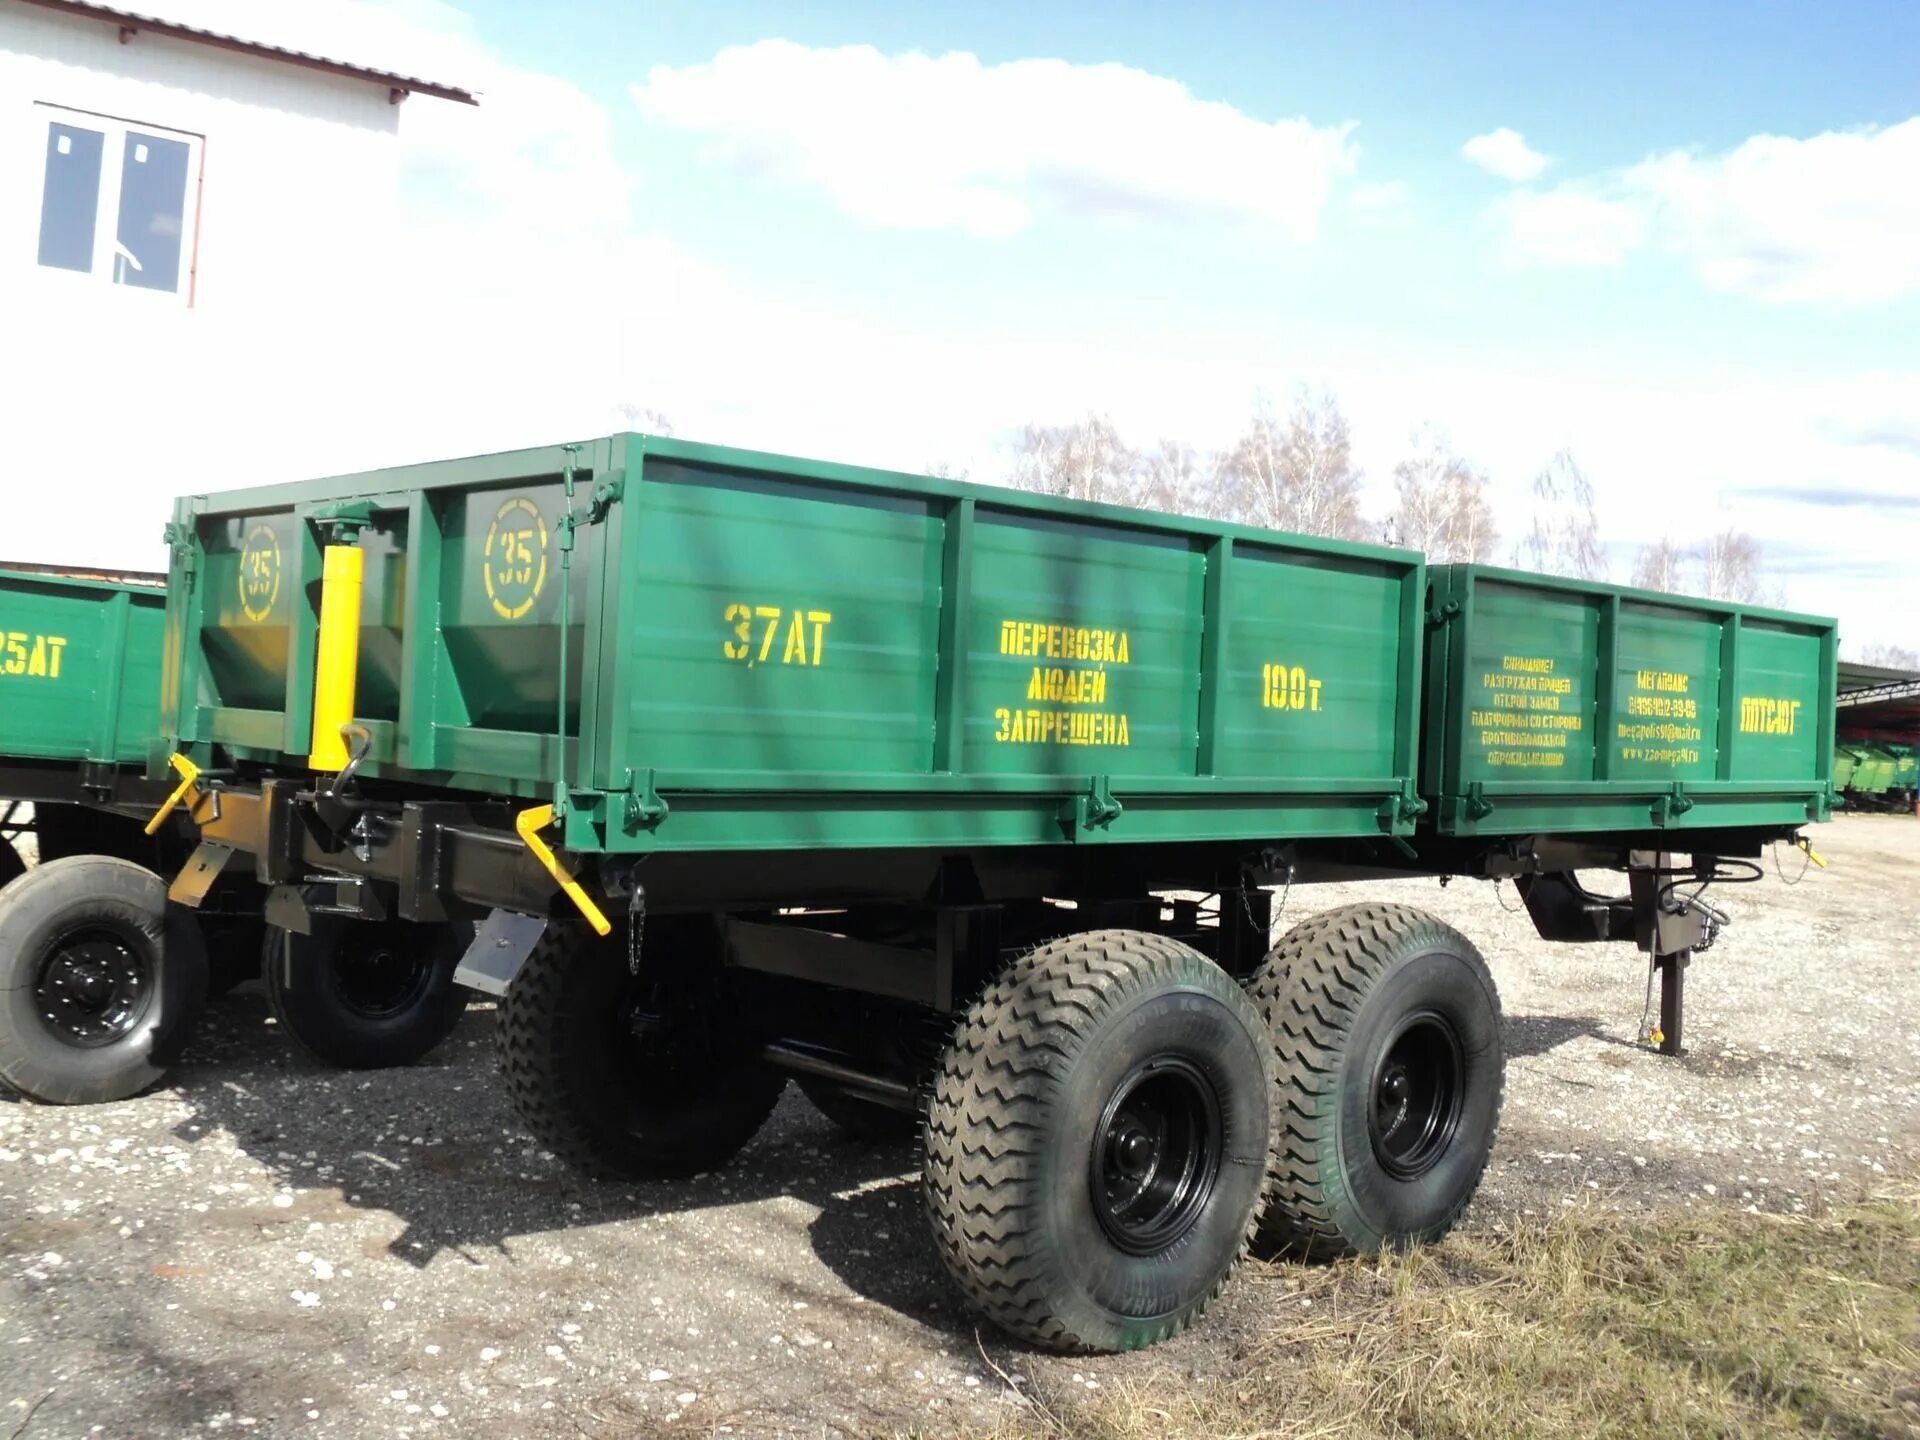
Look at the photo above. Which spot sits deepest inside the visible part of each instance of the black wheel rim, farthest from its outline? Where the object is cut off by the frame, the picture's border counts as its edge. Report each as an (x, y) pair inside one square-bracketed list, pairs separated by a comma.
[(380, 975), (1156, 1155), (93, 988), (1418, 1088)]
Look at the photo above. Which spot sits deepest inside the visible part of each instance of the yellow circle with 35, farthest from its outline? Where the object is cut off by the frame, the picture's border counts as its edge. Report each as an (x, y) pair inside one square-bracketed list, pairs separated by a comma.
[(260, 567), (514, 562)]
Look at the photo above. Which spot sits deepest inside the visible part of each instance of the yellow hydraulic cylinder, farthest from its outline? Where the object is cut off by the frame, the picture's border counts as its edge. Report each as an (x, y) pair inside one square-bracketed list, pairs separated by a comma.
[(339, 654)]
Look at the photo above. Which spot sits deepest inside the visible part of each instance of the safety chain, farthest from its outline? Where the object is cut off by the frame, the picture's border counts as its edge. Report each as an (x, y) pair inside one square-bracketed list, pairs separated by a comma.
[(636, 923), (1246, 906)]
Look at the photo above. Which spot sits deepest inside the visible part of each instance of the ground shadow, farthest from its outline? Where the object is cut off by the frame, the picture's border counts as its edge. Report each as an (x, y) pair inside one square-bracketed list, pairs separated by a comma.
[(437, 1144), (1537, 1034), (876, 1241)]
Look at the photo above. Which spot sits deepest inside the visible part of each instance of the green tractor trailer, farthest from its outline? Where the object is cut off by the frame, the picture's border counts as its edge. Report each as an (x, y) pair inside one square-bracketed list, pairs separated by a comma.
[(87, 1011), (1877, 773), (966, 809), (1906, 768), (1845, 759)]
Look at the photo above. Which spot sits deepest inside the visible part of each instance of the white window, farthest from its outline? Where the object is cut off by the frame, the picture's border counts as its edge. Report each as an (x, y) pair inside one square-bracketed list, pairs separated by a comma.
[(119, 200)]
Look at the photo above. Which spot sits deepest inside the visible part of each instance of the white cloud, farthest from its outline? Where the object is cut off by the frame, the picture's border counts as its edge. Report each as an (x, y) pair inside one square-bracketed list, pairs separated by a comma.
[(926, 142), (1830, 219), (1505, 153), (1568, 225)]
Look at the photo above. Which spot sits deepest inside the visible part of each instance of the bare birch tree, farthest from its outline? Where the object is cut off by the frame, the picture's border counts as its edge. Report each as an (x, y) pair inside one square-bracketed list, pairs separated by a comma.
[(1176, 478), (643, 418), (1086, 460), (1296, 473), (1729, 568), (1661, 566), (1565, 538), (1441, 504), (1894, 657)]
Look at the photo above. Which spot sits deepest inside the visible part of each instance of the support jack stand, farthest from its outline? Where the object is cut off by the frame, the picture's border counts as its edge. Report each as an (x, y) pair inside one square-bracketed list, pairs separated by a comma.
[(1673, 998)]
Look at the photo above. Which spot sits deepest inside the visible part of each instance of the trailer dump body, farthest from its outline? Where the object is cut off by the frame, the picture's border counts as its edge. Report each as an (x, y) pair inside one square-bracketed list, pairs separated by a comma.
[(764, 653), (1561, 706), (79, 668), (767, 653)]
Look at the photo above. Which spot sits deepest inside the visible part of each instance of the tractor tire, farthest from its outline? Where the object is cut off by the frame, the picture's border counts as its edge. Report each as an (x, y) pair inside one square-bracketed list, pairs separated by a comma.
[(366, 995), (1097, 1141), (100, 981), (858, 1118), (610, 1094), (1386, 1027)]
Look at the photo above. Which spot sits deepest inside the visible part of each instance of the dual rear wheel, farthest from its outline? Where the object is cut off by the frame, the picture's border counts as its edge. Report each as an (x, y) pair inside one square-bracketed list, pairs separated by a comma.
[(365, 995), (1115, 1121)]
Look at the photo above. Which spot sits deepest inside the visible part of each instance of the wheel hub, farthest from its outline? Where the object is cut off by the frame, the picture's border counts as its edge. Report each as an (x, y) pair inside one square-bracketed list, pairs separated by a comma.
[(92, 989), (377, 977), (1418, 1089), (1155, 1155), (1134, 1151)]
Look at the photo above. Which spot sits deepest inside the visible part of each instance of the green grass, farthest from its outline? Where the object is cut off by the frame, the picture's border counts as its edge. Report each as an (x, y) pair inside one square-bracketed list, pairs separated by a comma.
[(1595, 1324)]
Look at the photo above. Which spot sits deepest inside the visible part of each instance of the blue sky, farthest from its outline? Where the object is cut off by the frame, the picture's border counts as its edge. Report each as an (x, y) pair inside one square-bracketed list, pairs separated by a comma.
[(1595, 90), (1682, 240)]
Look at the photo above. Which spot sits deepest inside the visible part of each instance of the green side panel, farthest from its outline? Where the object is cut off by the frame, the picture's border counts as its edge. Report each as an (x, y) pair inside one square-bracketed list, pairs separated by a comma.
[(1666, 721), (256, 597), (1906, 765), (782, 627), (248, 590), (1873, 772), (1556, 706), (1778, 686), (80, 665), (500, 582), (1527, 691), (1313, 668), (1083, 652), (1843, 763)]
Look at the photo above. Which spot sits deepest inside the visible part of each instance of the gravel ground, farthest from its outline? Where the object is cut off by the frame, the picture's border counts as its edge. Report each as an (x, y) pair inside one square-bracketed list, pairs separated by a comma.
[(268, 1248)]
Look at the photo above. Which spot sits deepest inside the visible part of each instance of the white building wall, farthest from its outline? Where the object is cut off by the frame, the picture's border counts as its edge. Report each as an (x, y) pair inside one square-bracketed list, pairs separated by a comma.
[(114, 399)]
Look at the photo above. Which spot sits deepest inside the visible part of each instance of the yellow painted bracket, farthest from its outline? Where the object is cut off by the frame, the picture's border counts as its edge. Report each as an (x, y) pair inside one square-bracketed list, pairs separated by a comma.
[(526, 825), (189, 772)]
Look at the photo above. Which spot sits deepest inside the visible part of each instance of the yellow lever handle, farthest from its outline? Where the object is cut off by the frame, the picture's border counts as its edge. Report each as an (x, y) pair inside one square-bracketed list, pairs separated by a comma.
[(189, 772), (526, 825)]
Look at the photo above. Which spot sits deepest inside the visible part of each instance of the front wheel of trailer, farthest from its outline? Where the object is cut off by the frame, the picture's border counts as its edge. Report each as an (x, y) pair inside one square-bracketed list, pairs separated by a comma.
[(100, 980), (623, 1077), (366, 995)]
